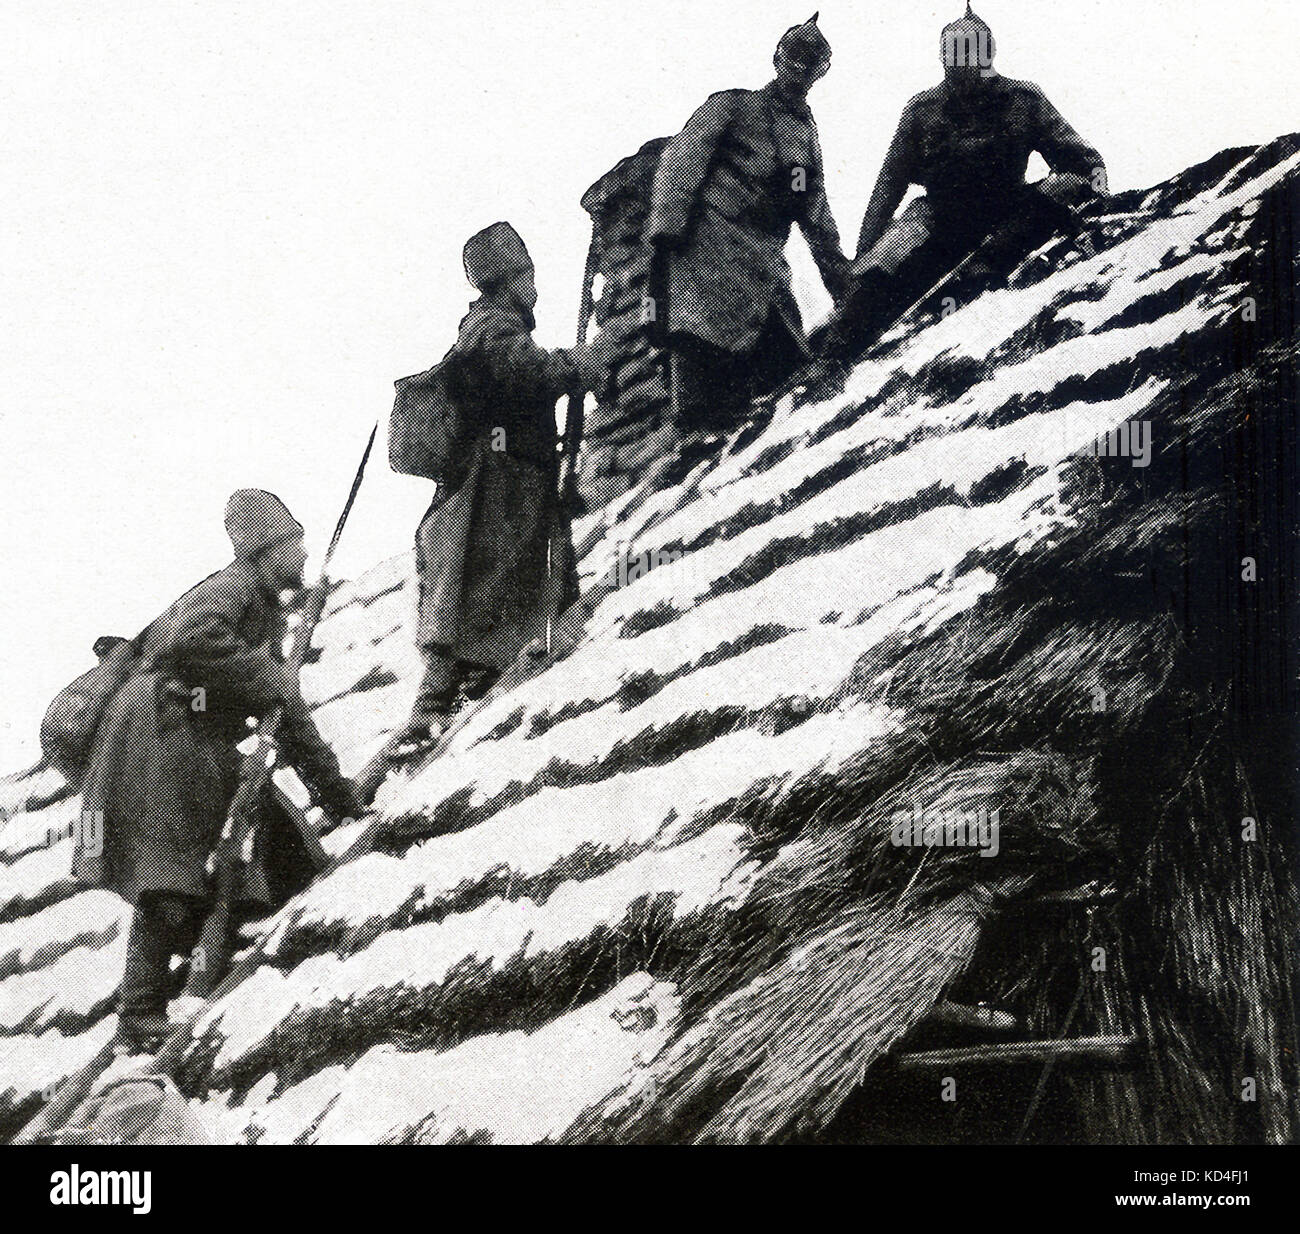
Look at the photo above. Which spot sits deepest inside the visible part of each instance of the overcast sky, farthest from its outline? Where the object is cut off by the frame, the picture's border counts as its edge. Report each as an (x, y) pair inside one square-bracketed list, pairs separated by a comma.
[(227, 227)]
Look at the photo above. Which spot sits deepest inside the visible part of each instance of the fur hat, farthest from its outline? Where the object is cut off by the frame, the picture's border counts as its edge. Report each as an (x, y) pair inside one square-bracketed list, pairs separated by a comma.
[(493, 255), (256, 519)]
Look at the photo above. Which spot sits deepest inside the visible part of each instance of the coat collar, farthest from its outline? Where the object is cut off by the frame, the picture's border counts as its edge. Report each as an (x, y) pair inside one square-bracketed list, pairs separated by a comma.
[(251, 577), (796, 107), (499, 302)]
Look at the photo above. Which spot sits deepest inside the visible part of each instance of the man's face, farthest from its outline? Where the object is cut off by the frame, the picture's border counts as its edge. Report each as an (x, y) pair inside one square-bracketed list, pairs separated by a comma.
[(966, 49), (964, 77), (796, 77), (523, 288), (282, 564)]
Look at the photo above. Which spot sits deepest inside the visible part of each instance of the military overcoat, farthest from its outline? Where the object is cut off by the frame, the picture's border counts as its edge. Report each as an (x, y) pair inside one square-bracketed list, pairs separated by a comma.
[(970, 152), (494, 552), (728, 187), (164, 768)]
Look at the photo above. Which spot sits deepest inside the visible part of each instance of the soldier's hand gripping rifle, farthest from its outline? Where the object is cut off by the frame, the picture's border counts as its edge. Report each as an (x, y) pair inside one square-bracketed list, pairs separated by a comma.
[(234, 850)]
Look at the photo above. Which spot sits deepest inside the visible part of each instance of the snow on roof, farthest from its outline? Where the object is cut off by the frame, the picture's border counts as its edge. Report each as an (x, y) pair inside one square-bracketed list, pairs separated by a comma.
[(554, 899)]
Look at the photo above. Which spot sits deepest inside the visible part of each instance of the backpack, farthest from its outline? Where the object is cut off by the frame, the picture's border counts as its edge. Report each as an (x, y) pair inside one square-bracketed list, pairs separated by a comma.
[(68, 729), (428, 427)]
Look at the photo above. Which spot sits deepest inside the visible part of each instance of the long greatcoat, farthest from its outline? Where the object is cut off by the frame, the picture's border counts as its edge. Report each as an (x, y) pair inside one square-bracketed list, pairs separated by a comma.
[(164, 768), (495, 551), (728, 187)]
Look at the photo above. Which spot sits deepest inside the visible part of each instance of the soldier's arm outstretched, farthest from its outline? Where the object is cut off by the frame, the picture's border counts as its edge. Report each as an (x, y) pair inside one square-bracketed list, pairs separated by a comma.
[(891, 186), (819, 229), (1062, 148), (517, 359), (310, 755)]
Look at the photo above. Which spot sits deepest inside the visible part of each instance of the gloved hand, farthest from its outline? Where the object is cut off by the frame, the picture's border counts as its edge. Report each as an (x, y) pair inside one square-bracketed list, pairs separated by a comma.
[(342, 799), (837, 281), (1069, 189), (592, 362)]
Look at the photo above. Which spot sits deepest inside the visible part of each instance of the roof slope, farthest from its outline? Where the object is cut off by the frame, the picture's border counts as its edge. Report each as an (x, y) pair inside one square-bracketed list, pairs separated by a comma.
[(654, 893)]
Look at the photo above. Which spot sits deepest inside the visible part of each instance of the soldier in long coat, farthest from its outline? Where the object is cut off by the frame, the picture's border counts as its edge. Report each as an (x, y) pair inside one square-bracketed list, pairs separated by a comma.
[(728, 187), (164, 768), (967, 142), (494, 553)]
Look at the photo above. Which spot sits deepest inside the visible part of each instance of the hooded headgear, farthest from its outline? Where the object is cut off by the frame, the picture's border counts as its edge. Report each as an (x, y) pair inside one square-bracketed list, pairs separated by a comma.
[(962, 40), (256, 519), (805, 44), (493, 255)]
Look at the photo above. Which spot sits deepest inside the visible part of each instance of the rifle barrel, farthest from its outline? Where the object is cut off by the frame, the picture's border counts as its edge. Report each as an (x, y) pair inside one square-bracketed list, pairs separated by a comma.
[(347, 505)]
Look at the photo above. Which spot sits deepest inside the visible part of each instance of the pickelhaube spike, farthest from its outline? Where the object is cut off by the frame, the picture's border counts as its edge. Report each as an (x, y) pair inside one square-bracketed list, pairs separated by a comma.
[(971, 24), (806, 43)]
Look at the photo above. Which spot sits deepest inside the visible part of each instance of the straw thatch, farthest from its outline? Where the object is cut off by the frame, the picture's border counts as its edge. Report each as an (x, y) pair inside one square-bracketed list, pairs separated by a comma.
[(657, 892)]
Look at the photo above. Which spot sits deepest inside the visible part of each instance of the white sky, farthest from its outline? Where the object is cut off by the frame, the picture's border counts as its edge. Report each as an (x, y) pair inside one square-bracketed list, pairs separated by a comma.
[(227, 227)]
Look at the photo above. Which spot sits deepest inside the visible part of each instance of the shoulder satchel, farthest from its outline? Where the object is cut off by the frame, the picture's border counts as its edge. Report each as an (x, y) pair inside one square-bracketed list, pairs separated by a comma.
[(430, 421), (68, 729)]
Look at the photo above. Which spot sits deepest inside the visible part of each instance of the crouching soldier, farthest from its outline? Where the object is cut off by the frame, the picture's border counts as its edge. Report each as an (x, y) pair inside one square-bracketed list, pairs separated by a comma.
[(967, 142), (164, 768), (728, 187), (494, 553)]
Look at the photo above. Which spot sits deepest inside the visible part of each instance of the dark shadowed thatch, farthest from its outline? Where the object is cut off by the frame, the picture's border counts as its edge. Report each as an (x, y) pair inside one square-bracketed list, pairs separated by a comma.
[(1146, 792)]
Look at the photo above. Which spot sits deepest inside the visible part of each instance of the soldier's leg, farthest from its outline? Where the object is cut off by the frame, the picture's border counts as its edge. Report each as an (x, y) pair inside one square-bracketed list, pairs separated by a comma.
[(688, 381), (710, 386), (1025, 223), (478, 679), (163, 926), (211, 954), (708, 398), (430, 715), (885, 281), (438, 689), (776, 358)]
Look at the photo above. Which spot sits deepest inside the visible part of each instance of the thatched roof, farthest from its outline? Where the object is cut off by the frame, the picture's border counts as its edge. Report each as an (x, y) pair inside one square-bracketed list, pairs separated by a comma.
[(654, 892)]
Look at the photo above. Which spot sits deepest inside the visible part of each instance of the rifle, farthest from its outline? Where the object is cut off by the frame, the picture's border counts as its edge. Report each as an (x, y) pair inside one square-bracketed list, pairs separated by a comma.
[(575, 407), (233, 848)]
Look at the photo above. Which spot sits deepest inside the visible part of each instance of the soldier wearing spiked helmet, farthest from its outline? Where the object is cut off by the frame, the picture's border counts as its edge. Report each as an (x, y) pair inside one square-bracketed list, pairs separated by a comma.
[(967, 142), (728, 188)]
